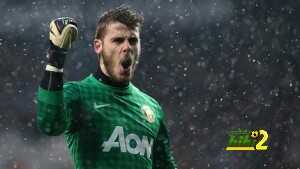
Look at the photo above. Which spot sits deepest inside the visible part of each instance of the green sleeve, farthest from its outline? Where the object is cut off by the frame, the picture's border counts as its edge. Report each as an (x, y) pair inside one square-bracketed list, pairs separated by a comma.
[(54, 109), (162, 156)]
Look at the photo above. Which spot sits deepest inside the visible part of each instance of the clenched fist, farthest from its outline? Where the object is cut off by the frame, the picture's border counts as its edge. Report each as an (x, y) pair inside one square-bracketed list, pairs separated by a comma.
[(63, 31)]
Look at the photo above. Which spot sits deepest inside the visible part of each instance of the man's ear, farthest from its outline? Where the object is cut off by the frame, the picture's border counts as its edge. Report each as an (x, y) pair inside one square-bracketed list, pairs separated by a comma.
[(98, 46)]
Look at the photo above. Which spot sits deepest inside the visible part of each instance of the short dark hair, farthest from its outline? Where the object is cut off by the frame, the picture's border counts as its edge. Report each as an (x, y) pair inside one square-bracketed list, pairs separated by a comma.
[(123, 14)]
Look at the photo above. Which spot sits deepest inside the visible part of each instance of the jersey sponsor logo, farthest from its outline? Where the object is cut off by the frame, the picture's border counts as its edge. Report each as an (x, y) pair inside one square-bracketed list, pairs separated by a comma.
[(99, 106), (148, 112), (131, 143)]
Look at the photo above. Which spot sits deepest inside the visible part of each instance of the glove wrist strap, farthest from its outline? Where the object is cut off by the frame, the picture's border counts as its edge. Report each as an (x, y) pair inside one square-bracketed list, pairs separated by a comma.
[(53, 69)]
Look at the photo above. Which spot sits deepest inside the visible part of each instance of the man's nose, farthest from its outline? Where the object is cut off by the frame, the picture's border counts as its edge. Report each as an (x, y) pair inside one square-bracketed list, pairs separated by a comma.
[(126, 46)]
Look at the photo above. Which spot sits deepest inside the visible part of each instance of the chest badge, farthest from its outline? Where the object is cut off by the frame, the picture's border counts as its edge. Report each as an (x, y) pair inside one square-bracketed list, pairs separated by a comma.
[(148, 112)]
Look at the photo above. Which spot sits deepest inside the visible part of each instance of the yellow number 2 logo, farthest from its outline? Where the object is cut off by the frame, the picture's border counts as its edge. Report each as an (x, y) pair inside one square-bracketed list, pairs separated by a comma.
[(259, 146)]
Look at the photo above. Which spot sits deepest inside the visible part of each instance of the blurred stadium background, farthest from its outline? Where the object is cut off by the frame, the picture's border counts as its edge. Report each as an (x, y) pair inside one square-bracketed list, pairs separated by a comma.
[(214, 65)]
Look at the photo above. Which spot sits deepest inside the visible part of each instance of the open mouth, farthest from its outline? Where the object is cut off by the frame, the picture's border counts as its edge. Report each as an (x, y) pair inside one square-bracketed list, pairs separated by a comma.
[(126, 63)]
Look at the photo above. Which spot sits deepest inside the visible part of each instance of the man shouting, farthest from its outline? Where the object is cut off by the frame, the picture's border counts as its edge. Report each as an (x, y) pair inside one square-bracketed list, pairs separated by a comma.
[(107, 122)]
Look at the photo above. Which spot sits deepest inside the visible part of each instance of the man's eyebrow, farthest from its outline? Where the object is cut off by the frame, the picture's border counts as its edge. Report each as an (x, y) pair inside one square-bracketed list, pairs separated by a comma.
[(133, 36)]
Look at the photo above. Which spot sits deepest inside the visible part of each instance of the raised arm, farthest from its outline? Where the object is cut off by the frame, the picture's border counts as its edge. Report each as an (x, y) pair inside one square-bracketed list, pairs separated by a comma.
[(55, 101)]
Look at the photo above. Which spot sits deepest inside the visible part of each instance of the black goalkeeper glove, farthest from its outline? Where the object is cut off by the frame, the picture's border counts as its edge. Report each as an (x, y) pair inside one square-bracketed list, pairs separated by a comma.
[(63, 31)]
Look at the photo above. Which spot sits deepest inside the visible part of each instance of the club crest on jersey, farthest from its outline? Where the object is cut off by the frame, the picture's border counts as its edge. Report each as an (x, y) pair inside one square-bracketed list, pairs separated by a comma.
[(148, 112)]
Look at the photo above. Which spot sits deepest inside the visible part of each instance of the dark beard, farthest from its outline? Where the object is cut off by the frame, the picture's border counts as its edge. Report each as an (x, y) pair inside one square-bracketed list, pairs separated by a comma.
[(107, 64)]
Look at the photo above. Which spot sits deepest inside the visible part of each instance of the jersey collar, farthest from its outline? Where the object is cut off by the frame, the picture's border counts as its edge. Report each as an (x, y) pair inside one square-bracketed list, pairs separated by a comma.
[(99, 75)]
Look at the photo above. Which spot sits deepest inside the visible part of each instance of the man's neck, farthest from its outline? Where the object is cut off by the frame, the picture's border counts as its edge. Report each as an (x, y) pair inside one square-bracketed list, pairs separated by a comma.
[(107, 80)]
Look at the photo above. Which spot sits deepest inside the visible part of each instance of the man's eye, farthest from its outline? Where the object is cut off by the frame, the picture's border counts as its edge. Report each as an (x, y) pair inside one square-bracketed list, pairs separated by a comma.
[(118, 40), (133, 41)]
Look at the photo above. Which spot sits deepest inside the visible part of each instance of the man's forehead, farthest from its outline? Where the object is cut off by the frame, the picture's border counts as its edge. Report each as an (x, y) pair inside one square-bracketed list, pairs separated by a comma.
[(117, 28)]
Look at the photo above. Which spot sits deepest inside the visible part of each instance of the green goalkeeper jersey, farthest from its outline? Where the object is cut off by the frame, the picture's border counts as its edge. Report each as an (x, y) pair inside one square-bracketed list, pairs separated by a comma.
[(106, 127)]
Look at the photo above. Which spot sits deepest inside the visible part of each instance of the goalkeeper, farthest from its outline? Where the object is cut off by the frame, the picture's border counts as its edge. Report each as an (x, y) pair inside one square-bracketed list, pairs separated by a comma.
[(107, 122)]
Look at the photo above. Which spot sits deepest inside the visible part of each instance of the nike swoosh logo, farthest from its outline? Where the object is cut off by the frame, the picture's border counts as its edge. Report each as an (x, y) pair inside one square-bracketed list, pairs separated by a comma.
[(98, 106)]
